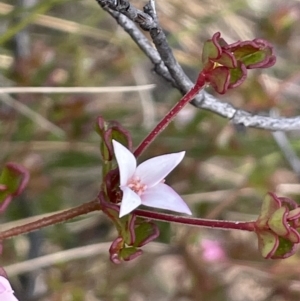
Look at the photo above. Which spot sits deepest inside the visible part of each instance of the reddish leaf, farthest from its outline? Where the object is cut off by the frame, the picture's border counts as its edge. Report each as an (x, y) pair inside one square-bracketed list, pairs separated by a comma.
[(13, 180), (219, 79)]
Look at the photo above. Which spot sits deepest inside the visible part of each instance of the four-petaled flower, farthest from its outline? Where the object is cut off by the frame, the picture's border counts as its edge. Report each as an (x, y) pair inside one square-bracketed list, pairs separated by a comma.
[(6, 292), (143, 184)]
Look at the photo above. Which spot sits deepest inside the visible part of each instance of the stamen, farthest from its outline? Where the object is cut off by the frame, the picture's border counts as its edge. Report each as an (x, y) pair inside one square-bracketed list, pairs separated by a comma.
[(136, 185)]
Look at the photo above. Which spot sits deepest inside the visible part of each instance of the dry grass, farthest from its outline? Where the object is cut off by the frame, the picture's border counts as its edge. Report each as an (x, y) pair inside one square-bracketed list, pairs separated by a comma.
[(82, 65)]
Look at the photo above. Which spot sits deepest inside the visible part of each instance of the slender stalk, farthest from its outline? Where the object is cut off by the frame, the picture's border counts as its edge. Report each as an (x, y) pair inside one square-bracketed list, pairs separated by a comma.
[(95, 205), (52, 220), (207, 223), (171, 115)]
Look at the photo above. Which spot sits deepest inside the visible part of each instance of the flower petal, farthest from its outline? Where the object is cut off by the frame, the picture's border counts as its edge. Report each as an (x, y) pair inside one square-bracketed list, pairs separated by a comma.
[(164, 197), (130, 201), (212, 250), (6, 292), (126, 162), (154, 170)]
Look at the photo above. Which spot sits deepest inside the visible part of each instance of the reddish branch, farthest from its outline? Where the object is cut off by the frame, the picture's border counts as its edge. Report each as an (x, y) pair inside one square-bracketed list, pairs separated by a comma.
[(52, 219)]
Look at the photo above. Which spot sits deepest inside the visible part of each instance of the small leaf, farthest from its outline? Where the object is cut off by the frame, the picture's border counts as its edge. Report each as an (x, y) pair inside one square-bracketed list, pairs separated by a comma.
[(219, 79), (129, 235), (267, 243), (114, 250), (15, 177), (121, 135), (269, 205), (145, 232), (285, 249), (109, 131), (237, 76), (278, 223), (257, 58), (211, 49), (293, 236), (13, 180), (255, 54), (130, 253), (101, 128), (245, 49), (290, 203)]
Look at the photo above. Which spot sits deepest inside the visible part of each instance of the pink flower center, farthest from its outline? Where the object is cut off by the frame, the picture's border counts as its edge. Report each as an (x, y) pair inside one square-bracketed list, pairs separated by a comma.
[(136, 185)]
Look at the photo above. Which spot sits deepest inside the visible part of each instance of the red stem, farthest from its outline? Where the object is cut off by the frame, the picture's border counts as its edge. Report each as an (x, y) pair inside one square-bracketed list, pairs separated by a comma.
[(207, 223), (171, 115), (95, 205), (52, 219)]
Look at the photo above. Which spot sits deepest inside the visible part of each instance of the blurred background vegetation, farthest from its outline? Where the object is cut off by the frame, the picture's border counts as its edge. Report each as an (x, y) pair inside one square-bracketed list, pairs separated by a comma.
[(226, 172)]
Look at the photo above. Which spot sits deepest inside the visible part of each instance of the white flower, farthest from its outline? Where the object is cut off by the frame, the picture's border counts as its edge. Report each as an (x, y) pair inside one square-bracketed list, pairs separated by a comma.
[(143, 185), (6, 292)]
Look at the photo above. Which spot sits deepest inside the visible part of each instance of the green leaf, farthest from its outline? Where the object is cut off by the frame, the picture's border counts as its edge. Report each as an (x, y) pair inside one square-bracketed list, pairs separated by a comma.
[(277, 221), (129, 253), (13, 180), (237, 76), (210, 51), (121, 135), (144, 233), (128, 232), (254, 58), (101, 127), (267, 243), (269, 206), (109, 131), (284, 249)]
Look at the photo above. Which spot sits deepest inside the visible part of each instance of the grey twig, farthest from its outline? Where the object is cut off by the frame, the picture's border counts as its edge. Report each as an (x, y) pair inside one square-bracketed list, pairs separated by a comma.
[(136, 35), (286, 148), (167, 66)]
